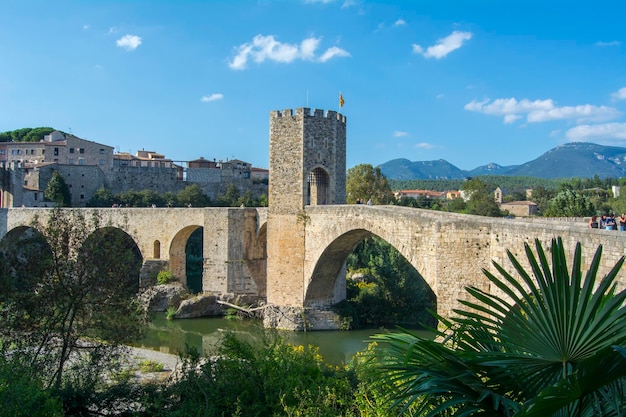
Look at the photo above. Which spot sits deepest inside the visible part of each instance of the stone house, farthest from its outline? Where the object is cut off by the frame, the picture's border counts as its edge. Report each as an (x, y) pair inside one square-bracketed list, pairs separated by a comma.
[(520, 208)]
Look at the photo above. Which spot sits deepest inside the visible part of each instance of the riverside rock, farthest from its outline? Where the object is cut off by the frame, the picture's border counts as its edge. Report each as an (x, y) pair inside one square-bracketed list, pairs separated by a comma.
[(161, 297)]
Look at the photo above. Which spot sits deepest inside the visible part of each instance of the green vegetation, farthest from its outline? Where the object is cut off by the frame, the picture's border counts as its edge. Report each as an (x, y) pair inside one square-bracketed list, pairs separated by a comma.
[(165, 277), (170, 313), (57, 191), (364, 182), (492, 181), (191, 196), (68, 298), (148, 365), (26, 135), (383, 289), (552, 345)]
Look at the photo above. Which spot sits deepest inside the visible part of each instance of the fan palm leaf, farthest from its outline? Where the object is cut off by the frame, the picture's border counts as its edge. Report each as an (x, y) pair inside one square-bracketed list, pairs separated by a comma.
[(539, 338)]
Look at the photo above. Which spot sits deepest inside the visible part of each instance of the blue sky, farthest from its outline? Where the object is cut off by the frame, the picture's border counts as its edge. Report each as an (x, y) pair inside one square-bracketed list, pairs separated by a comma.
[(471, 82)]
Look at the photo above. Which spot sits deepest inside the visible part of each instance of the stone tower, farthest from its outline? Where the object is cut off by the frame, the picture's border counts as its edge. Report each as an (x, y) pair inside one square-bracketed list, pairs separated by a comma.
[(307, 167)]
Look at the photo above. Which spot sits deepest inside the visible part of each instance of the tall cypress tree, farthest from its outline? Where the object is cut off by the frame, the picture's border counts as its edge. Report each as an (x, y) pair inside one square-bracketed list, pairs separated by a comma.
[(58, 191)]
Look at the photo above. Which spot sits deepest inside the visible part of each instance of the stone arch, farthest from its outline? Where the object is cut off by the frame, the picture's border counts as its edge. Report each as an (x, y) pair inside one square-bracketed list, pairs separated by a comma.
[(319, 186), (156, 249), (327, 282), (178, 259), (22, 245), (112, 238)]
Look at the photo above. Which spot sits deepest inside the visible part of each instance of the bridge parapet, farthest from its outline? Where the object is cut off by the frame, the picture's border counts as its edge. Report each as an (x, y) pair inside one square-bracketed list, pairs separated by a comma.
[(449, 250)]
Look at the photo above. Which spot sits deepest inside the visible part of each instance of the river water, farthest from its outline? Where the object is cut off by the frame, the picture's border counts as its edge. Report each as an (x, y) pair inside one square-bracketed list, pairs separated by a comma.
[(204, 334)]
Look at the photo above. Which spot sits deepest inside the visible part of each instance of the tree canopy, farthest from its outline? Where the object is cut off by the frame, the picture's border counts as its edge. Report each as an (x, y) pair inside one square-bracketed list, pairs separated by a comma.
[(364, 182), (26, 134)]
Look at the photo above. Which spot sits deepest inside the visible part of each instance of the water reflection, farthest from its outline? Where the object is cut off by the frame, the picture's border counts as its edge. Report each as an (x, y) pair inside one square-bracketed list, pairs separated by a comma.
[(204, 334)]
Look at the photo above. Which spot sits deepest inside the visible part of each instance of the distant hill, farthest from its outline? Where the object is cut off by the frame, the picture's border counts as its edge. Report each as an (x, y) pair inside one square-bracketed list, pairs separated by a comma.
[(584, 160), (403, 169)]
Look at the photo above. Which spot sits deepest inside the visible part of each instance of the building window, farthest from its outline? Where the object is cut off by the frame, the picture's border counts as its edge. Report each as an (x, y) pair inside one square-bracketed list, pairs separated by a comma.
[(19, 151), (71, 162), (12, 151), (3, 151), (101, 151), (81, 161), (82, 196), (71, 150), (36, 195), (56, 151), (102, 162), (82, 150), (43, 151)]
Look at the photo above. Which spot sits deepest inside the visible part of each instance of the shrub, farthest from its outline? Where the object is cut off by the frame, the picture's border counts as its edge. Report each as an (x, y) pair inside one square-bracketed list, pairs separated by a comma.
[(165, 277)]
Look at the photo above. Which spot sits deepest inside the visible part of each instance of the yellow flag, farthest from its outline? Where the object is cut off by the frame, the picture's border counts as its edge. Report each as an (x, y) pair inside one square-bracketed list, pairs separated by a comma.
[(341, 100)]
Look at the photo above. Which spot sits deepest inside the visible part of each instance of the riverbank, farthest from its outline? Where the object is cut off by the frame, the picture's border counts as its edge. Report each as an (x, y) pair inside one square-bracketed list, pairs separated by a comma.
[(138, 356)]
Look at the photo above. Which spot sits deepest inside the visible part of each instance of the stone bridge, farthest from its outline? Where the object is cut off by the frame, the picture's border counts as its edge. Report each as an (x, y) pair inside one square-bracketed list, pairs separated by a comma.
[(448, 250), (292, 254)]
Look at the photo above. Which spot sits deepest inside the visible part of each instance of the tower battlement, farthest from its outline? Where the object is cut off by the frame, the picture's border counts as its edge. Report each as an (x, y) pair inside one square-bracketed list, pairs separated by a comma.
[(306, 112)]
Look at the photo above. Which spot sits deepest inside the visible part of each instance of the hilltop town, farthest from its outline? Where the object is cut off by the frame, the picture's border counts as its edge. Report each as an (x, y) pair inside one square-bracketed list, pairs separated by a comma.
[(87, 166)]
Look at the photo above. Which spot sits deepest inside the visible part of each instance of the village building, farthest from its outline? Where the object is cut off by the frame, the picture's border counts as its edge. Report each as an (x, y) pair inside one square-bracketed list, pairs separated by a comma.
[(87, 166)]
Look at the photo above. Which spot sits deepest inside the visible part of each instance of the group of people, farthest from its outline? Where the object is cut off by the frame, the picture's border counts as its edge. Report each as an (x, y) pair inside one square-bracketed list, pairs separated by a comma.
[(608, 222)]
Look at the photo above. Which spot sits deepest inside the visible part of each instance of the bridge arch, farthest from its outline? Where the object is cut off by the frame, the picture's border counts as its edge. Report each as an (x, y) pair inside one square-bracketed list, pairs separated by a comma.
[(114, 240), (178, 254), (327, 284)]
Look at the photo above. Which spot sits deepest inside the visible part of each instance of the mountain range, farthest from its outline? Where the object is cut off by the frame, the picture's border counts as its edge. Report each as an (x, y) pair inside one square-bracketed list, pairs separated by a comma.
[(576, 159)]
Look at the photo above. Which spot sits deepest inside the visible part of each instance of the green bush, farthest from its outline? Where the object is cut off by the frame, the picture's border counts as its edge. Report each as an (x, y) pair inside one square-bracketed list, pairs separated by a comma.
[(165, 277), (22, 393)]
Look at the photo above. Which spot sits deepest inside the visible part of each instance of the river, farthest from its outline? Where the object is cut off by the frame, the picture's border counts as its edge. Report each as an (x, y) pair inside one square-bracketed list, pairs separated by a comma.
[(204, 334)]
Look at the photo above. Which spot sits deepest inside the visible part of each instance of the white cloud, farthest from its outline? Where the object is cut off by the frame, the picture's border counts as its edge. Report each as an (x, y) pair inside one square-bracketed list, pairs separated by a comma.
[(212, 97), (606, 133), (333, 52), (424, 145), (582, 113), (129, 42), (85, 27), (611, 43), (399, 134), (541, 110), (399, 22), (268, 48), (444, 46), (619, 94)]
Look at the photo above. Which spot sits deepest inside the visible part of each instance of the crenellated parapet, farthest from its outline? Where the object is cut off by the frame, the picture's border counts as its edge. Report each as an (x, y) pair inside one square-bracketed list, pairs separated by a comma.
[(306, 113)]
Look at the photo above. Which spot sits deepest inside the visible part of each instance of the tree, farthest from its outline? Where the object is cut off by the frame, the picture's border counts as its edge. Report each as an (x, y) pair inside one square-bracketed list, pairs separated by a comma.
[(481, 201), (365, 182), (568, 203), (193, 195), (101, 198), (58, 191), (553, 345), (230, 198), (68, 298)]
